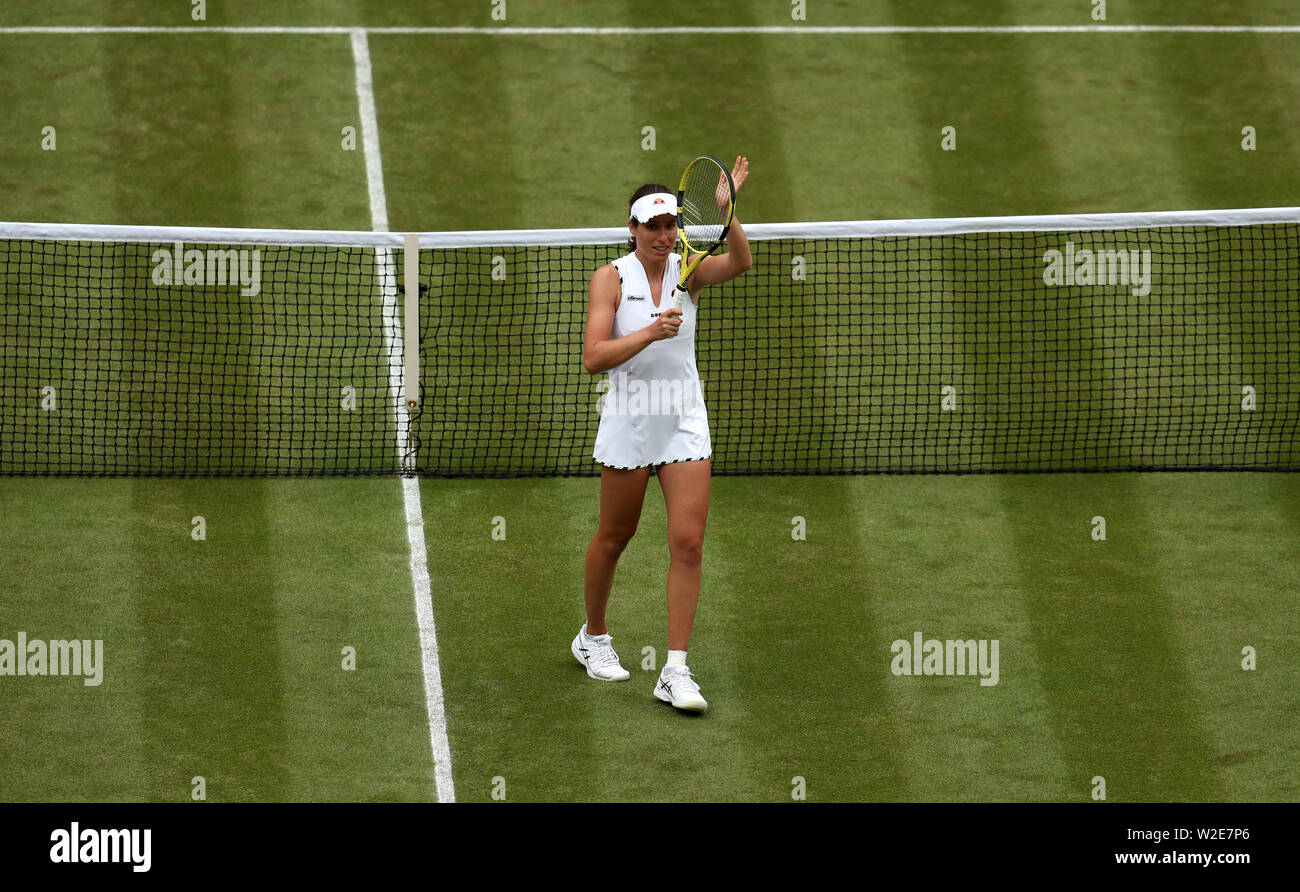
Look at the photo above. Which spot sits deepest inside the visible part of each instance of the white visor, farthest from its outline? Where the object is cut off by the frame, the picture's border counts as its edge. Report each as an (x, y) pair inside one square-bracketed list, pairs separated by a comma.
[(647, 207)]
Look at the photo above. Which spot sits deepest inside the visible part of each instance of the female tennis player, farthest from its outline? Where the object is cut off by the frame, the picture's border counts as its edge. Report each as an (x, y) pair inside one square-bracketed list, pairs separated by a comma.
[(653, 419)]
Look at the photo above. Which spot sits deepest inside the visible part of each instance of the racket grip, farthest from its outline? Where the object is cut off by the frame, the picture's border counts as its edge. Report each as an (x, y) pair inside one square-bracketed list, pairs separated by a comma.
[(680, 295)]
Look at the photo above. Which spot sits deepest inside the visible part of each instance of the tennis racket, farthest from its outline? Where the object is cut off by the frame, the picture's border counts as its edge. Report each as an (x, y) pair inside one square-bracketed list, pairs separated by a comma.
[(706, 201)]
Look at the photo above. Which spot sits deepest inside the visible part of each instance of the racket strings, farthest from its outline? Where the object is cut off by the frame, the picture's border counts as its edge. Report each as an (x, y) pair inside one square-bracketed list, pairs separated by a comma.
[(704, 206)]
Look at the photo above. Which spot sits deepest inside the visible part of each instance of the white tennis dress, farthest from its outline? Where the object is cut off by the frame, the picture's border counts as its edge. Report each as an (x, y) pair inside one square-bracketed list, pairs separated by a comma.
[(653, 411)]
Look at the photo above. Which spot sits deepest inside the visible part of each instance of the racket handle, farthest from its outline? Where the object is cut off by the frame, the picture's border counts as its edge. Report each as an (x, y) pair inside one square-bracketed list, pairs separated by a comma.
[(680, 295)]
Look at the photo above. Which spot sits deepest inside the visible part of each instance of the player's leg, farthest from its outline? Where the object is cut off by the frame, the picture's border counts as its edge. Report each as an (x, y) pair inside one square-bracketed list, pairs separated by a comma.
[(686, 496), (621, 495)]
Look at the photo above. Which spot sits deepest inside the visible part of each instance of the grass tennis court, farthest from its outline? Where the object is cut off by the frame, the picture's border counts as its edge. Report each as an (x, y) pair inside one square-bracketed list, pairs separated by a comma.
[(224, 655)]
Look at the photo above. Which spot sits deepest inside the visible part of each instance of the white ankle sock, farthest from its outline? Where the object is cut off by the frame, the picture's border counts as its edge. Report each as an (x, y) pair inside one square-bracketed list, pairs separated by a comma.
[(675, 658)]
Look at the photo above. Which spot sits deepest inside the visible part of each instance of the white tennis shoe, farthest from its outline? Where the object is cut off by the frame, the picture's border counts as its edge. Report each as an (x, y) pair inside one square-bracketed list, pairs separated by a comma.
[(597, 655), (677, 686)]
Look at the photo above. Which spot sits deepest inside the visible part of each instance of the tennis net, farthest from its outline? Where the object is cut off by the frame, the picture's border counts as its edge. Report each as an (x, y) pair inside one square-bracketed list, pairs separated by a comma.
[(1064, 343)]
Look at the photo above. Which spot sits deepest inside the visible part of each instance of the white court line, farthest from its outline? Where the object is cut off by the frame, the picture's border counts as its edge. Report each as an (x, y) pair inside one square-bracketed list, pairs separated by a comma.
[(370, 132), (420, 581), (702, 29)]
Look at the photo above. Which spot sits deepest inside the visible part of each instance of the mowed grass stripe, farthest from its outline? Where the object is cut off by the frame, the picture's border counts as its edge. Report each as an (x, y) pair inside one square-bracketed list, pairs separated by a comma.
[(212, 702), (1286, 496), (446, 133), (1225, 550), (290, 110), (835, 116), (1104, 626), (213, 705), (174, 168), (734, 103), (1156, 123), (582, 124), (725, 107), (936, 556), (801, 625), (196, 141), (1000, 164), (519, 706), (340, 562), (59, 185), (1201, 106), (1112, 140), (70, 573)]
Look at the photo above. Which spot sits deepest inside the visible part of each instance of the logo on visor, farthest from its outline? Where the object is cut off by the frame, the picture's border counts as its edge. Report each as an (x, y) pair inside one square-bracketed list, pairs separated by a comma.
[(659, 201)]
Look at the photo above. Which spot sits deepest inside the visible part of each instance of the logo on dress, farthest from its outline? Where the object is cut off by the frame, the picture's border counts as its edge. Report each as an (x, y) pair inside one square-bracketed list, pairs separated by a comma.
[(636, 297)]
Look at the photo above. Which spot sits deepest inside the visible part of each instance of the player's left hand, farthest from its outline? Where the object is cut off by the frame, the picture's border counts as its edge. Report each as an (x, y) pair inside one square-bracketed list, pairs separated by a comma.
[(740, 172)]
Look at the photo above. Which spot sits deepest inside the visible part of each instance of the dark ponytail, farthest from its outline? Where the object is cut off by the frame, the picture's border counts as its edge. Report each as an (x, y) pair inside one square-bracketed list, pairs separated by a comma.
[(647, 189)]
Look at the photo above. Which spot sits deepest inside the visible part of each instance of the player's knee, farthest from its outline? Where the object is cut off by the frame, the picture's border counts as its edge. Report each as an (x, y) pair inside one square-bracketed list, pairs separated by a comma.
[(615, 539), (687, 549)]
